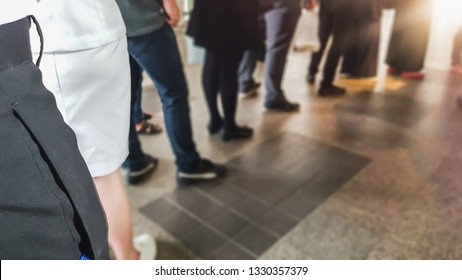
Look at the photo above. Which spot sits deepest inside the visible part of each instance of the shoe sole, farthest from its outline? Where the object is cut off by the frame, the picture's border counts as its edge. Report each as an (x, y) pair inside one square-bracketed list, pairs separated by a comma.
[(190, 181), (144, 174)]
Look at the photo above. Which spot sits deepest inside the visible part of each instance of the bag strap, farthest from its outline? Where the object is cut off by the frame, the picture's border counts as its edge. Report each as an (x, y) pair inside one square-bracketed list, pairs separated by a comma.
[(39, 31)]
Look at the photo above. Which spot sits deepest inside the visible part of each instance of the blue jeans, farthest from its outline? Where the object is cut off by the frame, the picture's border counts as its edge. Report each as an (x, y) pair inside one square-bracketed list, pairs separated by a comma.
[(157, 53)]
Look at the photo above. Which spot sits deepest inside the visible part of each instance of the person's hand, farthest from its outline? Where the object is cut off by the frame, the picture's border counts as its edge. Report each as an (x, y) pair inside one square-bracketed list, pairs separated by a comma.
[(310, 5), (173, 11)]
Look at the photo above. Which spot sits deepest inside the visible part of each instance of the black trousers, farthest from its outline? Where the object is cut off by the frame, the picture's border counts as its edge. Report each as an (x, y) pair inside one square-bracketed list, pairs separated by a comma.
[(332, 23), (220, 75), (49, 208), (409, 38), (326, 24)]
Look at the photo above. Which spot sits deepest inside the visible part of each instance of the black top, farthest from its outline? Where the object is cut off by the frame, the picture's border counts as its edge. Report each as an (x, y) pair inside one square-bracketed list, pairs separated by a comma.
[(220, 25)]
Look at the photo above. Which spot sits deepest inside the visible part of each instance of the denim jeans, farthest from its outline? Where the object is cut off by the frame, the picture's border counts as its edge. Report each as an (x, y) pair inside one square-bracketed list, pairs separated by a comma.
[(157, 53)]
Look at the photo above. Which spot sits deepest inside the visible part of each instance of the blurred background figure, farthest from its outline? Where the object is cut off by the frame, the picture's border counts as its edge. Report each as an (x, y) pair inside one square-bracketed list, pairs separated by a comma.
[(281, 21), (409, 38), (248, 86), (456, 65), (362, 50), (334, 16), (225, 28)]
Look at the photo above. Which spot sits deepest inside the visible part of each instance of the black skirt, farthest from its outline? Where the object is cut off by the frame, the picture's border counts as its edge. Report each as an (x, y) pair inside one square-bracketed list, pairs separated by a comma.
[(410, 34), (49, 208)]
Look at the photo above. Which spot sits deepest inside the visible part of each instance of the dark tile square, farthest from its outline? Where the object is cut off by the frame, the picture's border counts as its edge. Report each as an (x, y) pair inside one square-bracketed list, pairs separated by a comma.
[(158, 209), (179, 224), (274, 194), (229, 251), (278, 222), (229, 223), (251, 207), (225, 193), (255, 239), (254, 182), (203, 241), (196, 203)]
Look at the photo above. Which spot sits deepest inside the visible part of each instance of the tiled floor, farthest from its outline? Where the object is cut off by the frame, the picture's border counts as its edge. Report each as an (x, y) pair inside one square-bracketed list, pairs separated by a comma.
[(373, 175), (268, 191)]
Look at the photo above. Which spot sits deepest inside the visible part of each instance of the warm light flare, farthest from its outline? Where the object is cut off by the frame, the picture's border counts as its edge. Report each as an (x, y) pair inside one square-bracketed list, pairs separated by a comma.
[(448, 11)]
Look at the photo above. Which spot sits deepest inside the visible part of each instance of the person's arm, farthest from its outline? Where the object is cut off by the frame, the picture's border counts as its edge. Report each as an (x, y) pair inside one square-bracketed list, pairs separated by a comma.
[(173, 11)]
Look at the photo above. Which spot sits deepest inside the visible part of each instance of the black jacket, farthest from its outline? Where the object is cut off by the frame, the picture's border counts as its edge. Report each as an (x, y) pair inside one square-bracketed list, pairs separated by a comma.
[(49, 208)]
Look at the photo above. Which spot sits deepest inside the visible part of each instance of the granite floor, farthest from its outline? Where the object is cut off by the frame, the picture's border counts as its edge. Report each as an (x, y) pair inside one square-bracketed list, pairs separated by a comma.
[(372, 175)]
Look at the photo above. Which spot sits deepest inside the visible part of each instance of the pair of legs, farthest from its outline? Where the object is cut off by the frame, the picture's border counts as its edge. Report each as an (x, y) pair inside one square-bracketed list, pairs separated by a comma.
[(326, 23), (157, 53), (220, 76), (247, 68), (281, 22), (331, 24)]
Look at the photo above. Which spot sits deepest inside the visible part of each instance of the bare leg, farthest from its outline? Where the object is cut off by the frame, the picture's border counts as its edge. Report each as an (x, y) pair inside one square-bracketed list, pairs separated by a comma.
[(115, 202)]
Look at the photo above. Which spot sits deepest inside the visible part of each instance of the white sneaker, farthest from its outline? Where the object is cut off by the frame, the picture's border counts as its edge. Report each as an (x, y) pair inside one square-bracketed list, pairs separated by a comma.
[(146, 246)]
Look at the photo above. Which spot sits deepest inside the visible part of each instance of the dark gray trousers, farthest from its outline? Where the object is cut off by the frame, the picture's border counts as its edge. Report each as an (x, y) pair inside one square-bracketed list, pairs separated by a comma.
[(281, 22)]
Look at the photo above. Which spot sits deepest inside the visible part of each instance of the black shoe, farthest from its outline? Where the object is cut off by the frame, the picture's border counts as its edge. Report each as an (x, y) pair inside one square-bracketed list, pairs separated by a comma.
[(139, 175), (205, 171), (311, 79), (331, 91), (238, 132), (284, 106), (251, 92), (214, 126)]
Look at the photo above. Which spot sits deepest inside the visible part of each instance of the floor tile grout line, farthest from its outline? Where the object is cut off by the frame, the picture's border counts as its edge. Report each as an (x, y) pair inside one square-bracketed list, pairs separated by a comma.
[(213, 229)]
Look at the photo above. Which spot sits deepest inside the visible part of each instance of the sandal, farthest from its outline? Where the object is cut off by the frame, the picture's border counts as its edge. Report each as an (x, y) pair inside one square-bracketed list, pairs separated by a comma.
[(146, 116), (148, 128)]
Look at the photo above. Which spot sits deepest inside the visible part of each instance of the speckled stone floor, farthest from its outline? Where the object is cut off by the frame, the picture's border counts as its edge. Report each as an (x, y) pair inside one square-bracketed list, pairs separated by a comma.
[(376, 174)]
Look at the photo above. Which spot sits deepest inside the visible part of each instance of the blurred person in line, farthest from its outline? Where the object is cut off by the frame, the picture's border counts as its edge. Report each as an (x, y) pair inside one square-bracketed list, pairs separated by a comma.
[(248, 86), (225, 28), (362, 50), (409, 37), (281, 17), (85, 65), (49, 207), (334, 16), (143, 124), (456, 65), (153, 48)]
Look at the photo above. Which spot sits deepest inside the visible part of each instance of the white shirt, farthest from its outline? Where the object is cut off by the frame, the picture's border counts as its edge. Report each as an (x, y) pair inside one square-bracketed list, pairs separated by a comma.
[(74, 25), (12, 10)]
